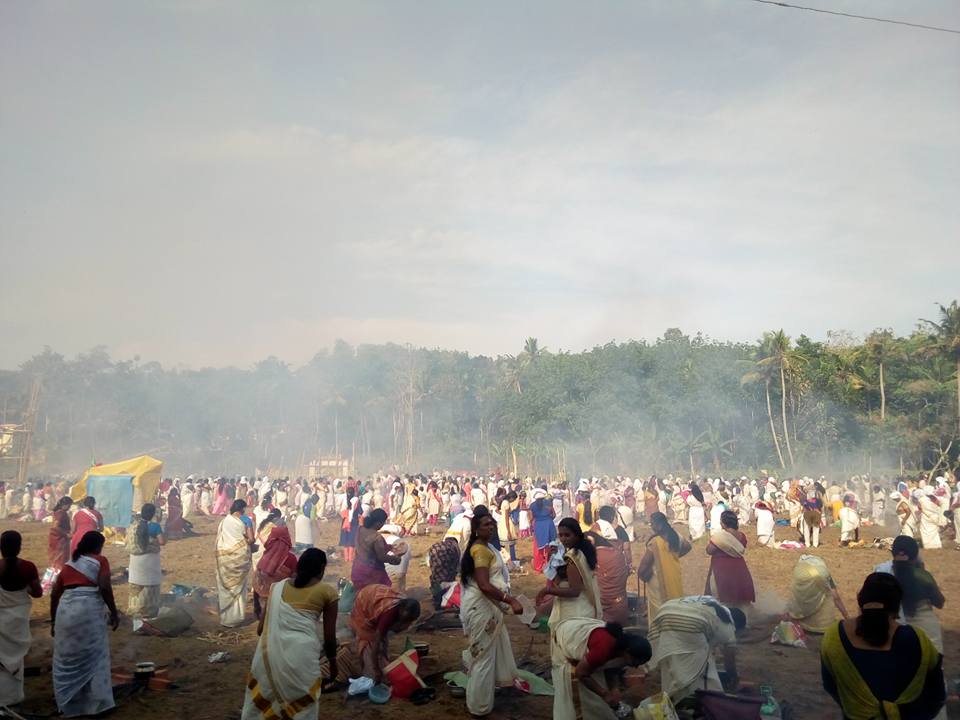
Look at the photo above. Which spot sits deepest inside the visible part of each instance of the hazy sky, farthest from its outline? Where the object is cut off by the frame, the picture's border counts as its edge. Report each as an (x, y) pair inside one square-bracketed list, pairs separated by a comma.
[(205, 182)]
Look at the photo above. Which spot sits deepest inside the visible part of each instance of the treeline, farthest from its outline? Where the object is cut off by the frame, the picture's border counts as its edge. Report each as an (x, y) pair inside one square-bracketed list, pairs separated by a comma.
[(680, 404)]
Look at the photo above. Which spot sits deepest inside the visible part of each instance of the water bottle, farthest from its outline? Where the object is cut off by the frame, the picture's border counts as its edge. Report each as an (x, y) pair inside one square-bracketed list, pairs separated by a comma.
[(770, 708)]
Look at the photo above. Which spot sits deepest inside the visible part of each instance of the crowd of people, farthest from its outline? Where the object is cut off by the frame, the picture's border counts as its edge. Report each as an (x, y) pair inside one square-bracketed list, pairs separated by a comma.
[(581, 538)]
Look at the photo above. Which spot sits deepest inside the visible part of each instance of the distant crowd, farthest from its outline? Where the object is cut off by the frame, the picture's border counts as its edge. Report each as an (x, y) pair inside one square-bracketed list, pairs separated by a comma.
[(580, 536)]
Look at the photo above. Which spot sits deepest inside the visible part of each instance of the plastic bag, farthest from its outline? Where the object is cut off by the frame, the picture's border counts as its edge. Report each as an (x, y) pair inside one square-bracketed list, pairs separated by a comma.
[(655, 707), (50, 576), (790, 634), (360, 685), (347, 597)]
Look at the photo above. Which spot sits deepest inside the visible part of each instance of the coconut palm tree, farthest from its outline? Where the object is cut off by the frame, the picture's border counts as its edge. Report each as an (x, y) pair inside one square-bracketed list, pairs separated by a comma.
[(945, 339), (880, 346), (764, 371), (785, 360)]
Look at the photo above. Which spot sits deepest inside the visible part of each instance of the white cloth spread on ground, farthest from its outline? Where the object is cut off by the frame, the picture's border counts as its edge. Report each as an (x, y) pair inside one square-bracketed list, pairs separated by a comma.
[(14, 643), (81, 648), (284, 678)]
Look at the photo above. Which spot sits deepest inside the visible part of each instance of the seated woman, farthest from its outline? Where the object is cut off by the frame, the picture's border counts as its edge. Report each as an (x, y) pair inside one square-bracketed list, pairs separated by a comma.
[(284, 675), (372, 553), (277, 563), (660, 566), (729, 578), (849, 521), (18, 583), (378, 610), (612, 575), (812, 587), (177, 526), (592, 648), (876, 668)]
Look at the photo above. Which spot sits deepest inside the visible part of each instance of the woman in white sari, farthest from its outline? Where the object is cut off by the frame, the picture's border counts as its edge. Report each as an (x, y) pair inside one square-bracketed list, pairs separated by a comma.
[(18, 583), (234, 538), (684, 634), (766, 525), (81, 648), (849, 522), (144, 541), (486, 587), (696, 516), (931, 520), (576, 593), (285, 675), (904, 509), (589, 647)]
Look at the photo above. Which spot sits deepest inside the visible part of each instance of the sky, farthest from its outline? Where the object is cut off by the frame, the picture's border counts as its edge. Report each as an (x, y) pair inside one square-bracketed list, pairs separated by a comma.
[(213, 182)]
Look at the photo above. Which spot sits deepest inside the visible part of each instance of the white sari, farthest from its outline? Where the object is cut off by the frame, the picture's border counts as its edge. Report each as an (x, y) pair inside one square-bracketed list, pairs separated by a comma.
[(284, 679), (233, 571), (849, 523), (931, 520), (696, 519), (81, 648), (571, 698), (766, 528), (15, 641), (584, 605), (683, 636), (489, 655), (907, 520)]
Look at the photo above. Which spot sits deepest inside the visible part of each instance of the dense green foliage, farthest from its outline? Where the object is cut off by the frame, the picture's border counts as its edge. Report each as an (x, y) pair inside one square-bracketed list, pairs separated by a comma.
[(679, 404)]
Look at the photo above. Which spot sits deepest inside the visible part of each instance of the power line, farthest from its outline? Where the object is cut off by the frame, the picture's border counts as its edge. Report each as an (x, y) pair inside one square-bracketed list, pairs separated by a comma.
[(860, 17)]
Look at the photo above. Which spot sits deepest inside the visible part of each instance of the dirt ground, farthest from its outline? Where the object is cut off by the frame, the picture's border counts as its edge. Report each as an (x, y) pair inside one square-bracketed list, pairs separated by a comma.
[(207, 691)]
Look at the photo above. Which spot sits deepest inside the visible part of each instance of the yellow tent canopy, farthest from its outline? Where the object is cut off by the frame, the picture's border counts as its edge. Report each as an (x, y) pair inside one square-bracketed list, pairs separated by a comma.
[(144, 471)]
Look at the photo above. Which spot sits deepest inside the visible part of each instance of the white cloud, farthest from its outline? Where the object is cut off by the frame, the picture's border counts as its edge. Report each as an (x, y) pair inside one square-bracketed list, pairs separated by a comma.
[(714, 169)]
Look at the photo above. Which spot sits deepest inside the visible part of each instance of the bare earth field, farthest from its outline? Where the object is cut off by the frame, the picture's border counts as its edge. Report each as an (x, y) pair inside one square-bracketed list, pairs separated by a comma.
[(215, 691)]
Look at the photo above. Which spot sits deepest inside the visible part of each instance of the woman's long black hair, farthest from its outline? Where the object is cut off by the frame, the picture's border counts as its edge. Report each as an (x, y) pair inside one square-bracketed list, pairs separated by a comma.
[(146, 515), (467, 566), (376, 519), (633, 643), (879, 599), (313, 563), (697, 492), (587, 509), (10, 542), (661, 526), (90, 544), (583, 545), (272, 516), (903, 571)]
